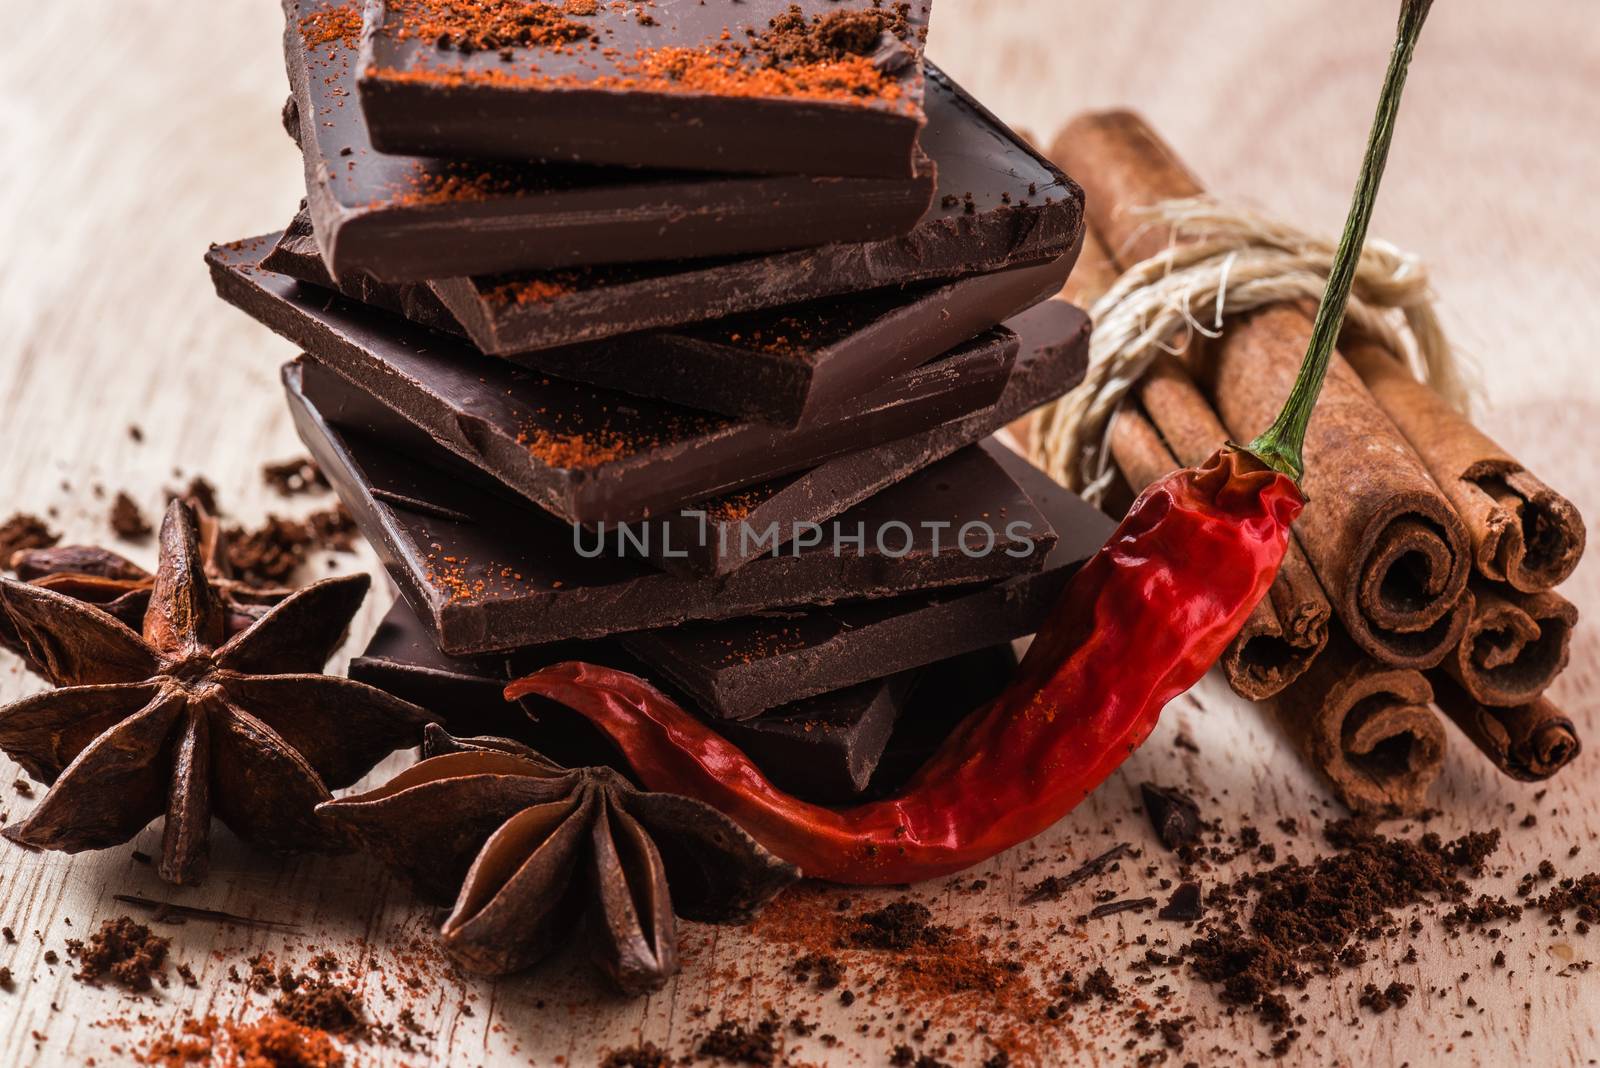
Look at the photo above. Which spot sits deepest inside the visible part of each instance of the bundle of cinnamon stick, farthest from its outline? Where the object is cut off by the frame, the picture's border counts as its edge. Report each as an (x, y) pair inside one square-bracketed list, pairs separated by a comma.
[(1426, 556)]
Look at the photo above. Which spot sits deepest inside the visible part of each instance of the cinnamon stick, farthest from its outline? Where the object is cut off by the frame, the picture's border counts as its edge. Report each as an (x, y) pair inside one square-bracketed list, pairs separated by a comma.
[(1289, 627), (1530, 742), (1172, 426), (1137, 449), (1515, 644), (1367, 727), (1384, 542), (1523, 532)]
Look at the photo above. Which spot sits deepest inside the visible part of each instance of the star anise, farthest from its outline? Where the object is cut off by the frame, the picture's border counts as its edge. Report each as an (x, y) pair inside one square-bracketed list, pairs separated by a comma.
[(179, 720), (122, 588), (529, 851)]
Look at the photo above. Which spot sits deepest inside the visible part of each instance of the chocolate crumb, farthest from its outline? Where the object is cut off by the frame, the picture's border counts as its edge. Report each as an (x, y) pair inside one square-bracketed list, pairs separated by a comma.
[(1395, 995), (825, 967), (1175, 816), (292, 478), (1184, 905), (24, 531), (123, 951), (271, 554), (1101, 985), (127, 521), (644, 1055), (901, 925), (317, 1002), (732, 1042)]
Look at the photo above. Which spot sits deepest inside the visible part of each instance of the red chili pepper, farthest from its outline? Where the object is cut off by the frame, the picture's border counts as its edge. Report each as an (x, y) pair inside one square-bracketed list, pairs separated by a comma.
[(1143, 620), (1138, 625)]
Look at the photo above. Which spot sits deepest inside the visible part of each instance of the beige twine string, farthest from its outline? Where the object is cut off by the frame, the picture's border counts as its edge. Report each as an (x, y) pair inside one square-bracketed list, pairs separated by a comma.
[(1238, 260)]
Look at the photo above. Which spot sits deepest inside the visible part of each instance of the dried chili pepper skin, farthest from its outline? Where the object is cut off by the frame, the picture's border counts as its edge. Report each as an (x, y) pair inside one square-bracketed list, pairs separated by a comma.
[(1139, 624)]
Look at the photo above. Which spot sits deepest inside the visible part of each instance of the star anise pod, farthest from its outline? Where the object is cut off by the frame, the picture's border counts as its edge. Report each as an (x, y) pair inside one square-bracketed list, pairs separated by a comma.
[(529, 851), (122, 588), (178, 720)]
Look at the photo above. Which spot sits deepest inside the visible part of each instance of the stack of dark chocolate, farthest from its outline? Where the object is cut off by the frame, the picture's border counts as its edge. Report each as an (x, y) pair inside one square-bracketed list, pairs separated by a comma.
[(670, 336)]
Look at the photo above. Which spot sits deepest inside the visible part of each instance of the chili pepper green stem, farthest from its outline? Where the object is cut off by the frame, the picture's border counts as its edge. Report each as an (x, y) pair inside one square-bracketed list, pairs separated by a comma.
[(1280, 445)]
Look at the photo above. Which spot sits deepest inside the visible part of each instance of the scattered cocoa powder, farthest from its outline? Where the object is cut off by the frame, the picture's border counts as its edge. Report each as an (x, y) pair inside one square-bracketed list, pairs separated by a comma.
[(644, 1055), (1307, 918), (122, 950), (1580, 896), (1395, 996), (733, 1042), (291, 478), (272, 553), (23, 531), (319, 1003), (901, 925), (825, 967), (127, 521)]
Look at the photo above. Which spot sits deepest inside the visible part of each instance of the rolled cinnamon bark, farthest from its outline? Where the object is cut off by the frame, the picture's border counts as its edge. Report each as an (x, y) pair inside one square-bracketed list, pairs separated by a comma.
[(1514, 646), (1124, 167), (1367, 727), (1388, 548), (1530, 742), (1523, 532), (1390, 552), (1289, 627), (1137, 449)]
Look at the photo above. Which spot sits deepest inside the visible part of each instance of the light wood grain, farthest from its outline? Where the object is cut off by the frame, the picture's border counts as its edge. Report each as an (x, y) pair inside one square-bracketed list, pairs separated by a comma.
[(138, 131)]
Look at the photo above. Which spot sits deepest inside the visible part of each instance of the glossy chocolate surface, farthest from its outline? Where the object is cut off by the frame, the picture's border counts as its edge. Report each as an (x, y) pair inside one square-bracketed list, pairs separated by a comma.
[(404, 218), (583, 454), (487, 572), (591, 100)]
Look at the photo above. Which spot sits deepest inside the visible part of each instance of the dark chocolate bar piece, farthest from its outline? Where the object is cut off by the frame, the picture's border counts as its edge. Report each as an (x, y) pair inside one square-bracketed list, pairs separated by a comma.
[(739, 668), (404, 218), (464, 691), (1052, 356), (824, 750), (1053, 338), (728, 85), (942, 695), (586, 455), (488, 572), (998, 204), (297, 255), (785, 366)]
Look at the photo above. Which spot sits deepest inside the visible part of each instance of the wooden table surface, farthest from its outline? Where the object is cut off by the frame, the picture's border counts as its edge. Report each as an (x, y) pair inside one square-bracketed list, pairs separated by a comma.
[(138, 131)]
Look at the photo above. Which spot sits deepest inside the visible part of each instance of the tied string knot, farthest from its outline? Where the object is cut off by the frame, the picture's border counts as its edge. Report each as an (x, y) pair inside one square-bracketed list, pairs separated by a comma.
[(1232, 260)]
